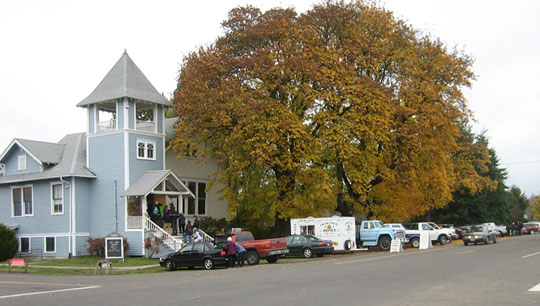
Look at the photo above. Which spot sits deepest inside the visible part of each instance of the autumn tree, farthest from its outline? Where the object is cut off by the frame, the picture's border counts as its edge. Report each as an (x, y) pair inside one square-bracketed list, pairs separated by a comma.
[(536, 208), (344, 107)]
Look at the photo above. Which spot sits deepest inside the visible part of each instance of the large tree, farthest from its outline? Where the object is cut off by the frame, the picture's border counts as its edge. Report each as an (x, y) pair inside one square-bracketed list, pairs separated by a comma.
[(344, 107)]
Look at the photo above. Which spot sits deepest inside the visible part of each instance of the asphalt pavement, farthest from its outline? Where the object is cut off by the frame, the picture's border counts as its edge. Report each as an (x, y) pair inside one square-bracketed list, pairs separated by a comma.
[(505, 273)]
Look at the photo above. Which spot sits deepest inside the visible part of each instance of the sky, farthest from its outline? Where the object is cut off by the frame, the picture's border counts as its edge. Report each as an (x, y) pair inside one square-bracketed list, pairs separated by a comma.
[(54, 53)]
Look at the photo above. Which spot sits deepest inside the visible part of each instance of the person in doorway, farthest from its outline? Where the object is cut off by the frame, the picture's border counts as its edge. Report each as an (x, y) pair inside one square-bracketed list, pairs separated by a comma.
[(182, 223), (230, 249), (196, 222), (196, 235), (156, 216), (241, 252), (189, 232)]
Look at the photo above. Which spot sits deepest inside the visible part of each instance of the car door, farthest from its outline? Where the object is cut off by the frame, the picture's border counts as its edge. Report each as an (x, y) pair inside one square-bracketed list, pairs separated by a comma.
[(295, 246), (197, 254), (368, 232), (433, 234), (183, 257)]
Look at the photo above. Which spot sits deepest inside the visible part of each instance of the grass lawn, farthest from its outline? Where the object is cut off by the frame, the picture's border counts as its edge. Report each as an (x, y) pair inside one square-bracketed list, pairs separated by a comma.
[(90, 261)]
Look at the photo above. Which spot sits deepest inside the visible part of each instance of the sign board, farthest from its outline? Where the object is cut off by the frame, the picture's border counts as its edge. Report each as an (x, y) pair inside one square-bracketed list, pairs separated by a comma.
[(425, 242), (395, 247), (114, 248)]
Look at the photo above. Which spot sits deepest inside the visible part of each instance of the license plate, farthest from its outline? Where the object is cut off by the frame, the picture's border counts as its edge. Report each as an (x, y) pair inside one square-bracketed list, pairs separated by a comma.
[(472, 239)]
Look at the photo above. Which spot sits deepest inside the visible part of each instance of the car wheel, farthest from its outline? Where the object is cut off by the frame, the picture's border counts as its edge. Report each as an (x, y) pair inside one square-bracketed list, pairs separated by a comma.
[(384, 243), (307, 252), (443, 240), (252, 257), (208, 264), (272, 259), (487, 240), (169, 265), (415, 242)]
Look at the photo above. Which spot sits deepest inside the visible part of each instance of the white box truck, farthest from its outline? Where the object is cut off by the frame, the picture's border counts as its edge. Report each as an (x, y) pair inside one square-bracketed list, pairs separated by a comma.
[(341, 230)]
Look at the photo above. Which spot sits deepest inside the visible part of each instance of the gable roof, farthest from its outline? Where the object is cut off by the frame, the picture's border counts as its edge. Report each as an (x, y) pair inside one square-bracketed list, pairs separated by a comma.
[(125, 79), (42, 152), (145, 184), (72, 160)]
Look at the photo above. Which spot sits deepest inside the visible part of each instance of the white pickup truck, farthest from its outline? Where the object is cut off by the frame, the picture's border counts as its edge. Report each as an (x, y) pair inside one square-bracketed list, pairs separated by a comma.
[(413, 231)]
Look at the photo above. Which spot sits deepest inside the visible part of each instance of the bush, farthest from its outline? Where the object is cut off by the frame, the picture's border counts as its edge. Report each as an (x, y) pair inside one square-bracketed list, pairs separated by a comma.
[(96, 246), (8, 243)]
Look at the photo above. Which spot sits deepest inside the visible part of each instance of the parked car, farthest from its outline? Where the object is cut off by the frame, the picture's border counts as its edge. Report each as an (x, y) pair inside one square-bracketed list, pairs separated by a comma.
[(450, 232), (462, 230), (414, 230), (195, 254), (501, 230), (480, 233), (374, 233), (308, 245), (531, 228), (399, 226)]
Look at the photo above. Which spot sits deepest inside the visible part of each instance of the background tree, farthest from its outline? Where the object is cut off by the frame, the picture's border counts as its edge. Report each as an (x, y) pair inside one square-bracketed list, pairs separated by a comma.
[(535, 208), (343, 107), (8, 243)]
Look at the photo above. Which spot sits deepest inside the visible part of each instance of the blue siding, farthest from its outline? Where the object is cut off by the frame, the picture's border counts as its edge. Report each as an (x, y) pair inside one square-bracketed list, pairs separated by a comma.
[(159, 119), (135, 243), (139, 166), (120, 114), (12, 162), (91, 119), (82, 205), (81, 245), (131, 114), (107, 162)]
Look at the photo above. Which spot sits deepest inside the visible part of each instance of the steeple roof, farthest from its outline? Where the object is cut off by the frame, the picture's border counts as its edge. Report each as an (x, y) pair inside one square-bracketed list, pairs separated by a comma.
[(125, 80)]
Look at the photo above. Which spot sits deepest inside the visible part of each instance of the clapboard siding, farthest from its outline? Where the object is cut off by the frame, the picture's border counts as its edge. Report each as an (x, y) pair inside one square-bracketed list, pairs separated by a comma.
[(12, 162)]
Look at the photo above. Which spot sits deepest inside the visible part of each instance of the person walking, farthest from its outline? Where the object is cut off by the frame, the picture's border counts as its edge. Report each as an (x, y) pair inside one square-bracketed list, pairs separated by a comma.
[(189, 232), (230, 248), (241, 254)]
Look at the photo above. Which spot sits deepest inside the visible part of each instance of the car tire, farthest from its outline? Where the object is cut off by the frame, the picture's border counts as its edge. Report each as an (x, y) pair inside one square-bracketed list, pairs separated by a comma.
[(415, 242), (347, 245), (384, 243), (272, 259), (169, 265), (443, 240), (252, 258), (487, 240), (307, 253), (209, 264)]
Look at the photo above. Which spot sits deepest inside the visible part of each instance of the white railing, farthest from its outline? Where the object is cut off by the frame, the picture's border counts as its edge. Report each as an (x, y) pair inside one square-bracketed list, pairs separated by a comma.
[(147, 126), (107, 126), (157, 231), (134, 222), (205, 236)]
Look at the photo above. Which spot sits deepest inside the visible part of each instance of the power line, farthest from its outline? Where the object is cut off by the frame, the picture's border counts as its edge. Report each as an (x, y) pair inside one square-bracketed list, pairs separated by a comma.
[(521, 163)]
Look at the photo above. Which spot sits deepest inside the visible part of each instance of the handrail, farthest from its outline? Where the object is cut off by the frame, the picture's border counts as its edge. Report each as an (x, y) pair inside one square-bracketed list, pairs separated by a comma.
[(157, 231), (205, 236)]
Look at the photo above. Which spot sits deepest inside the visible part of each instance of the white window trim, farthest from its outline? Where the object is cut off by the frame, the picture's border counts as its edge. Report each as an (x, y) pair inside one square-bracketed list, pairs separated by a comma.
[(52, 198), (45, 244), (22, 203), (196, 193), (22, 163), (29, 244), (146, 143)]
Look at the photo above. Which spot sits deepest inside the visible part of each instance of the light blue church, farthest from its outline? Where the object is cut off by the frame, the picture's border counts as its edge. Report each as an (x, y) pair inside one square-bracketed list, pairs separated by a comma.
[(57, 195)]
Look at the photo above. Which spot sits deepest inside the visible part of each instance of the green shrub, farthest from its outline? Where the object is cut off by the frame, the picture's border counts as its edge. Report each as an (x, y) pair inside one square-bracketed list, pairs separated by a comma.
[(8, 243)]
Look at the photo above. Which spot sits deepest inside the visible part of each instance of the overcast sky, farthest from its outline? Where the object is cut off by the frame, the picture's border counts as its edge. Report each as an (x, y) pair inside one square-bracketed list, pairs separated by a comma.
[(54, 53)]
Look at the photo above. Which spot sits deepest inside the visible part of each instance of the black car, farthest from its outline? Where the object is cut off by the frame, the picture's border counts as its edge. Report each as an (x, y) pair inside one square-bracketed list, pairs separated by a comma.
[(195, 254), (308, 245)]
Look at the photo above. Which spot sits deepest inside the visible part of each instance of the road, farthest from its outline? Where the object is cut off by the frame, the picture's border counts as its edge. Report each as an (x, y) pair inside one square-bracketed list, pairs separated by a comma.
[(494, 274)]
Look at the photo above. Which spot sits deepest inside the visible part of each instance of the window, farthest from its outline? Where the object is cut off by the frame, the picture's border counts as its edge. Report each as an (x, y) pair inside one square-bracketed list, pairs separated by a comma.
[(197, 205), (146, 150), (50, 244), (57, 199), (22, 162), (22, 201), (24, 244)]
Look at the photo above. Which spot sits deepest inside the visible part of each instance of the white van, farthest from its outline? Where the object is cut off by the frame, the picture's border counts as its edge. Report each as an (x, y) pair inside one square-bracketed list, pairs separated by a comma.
[(341, 230)]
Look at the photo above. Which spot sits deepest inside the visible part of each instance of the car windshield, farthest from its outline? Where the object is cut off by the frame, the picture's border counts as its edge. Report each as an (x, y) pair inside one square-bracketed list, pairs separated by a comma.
[(479, 229), (378, 224)]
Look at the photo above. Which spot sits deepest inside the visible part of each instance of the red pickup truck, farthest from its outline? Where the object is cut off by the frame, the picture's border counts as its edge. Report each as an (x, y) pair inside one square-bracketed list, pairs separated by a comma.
[(269, 249)]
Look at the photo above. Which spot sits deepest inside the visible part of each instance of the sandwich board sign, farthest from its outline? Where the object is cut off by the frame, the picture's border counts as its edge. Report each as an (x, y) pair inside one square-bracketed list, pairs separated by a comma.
[(425, 242), (396, 247), (114, 248)]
